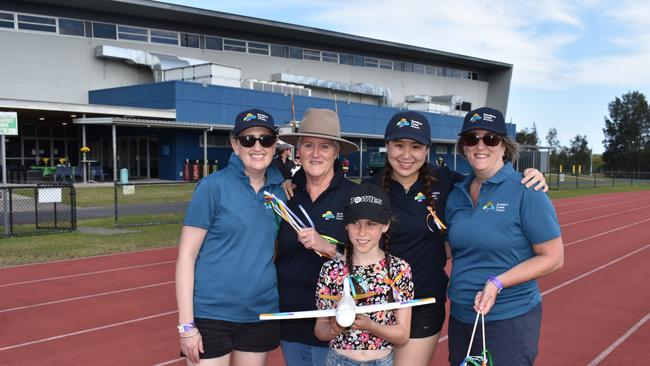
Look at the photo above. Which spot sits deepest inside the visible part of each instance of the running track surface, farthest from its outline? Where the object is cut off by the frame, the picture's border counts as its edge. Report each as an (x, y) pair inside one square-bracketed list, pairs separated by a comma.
[(120, 309)]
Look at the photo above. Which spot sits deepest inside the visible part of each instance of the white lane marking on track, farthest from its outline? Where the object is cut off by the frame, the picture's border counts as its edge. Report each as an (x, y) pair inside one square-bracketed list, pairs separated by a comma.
[(604, 233), (442, 339), (86, 273), (603, 216), (601, 206), (86, 258), (7, 348), (587, 199), (595, 270), (618, 342), (85, 297), (170, 362)]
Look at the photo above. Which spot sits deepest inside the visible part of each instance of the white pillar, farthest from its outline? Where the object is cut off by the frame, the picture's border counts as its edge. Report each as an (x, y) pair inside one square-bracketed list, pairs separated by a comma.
[(205, 152), (84, 165)]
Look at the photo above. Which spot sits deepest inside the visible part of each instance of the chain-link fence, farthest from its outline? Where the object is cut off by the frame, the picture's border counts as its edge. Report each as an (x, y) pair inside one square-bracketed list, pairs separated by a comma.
[(138, 204), (599, 179), (38, 209)]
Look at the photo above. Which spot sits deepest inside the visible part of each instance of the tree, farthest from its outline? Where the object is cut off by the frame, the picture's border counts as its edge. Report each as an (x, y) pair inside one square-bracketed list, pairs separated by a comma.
[(528, 136), (554, 143), (580, 152), (627, 132)]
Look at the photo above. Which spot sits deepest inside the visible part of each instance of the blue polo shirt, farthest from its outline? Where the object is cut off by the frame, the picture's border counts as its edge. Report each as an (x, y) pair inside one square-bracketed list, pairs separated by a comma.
[(411, 239), (493, 237), (234, 276), (299, 268)]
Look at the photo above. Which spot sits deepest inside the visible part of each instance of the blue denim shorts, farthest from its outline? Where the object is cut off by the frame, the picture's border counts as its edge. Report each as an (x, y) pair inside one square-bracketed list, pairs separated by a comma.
[(336, 359)]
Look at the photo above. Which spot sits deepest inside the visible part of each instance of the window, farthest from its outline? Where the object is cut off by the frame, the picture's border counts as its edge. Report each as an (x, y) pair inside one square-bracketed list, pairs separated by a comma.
[(234, 45), (215, 141), (132, 33), (417, 68), (473, 75), (279, 51), (214, 43), (89, 29), (311, 55), (6, 20), (332, 57), (35, 23), (164, 37), (357, 60), (71, 27), (189, 40), (441, 149), (295, 52), (386, 64), (430, 70), (370, 62), (258, 48), (104, 30), (345, 59)]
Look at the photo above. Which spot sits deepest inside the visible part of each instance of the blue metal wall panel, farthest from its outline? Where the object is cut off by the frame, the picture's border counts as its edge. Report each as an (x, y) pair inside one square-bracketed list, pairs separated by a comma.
[(195, 102)]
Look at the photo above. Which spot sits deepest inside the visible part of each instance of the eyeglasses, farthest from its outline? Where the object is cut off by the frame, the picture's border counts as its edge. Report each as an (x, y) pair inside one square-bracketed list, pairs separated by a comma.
[(249, 140), (489, 139)]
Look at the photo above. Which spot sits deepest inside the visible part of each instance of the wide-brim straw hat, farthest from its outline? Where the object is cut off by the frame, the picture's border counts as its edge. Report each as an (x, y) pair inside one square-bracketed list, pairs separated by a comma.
[(320, 123)]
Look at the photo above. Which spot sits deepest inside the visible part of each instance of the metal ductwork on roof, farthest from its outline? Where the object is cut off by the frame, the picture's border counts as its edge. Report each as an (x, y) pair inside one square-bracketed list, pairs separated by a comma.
[(358, 88), (158, 62)]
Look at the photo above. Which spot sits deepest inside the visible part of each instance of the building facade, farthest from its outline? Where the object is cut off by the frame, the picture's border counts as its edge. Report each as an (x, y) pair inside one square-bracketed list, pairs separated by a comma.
[(146, 85)]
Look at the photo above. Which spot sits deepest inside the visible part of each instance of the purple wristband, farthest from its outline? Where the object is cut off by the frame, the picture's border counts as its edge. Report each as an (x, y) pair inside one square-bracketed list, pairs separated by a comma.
[(496, 282)]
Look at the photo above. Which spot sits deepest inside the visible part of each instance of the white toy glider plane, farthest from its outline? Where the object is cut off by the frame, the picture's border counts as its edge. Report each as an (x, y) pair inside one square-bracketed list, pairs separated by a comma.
[(346, 310)]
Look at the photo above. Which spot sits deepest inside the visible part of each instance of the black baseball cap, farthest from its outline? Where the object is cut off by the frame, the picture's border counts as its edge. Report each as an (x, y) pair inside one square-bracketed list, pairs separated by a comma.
[(366, 201), (251, 118), (408, 125), (485, 118)]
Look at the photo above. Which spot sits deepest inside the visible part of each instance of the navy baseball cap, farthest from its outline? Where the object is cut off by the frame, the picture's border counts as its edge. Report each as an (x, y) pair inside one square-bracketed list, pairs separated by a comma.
[(251, 118), (409, 125), (485, 118), (366, 201)]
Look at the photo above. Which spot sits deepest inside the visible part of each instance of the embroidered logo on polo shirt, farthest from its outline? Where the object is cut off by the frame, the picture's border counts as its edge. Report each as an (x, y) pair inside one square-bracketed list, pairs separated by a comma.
[(328, 215), (497, 207), (419, 197)]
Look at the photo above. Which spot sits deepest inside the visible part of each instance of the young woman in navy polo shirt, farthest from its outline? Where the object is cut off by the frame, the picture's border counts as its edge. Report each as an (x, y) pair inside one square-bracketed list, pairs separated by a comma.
[(414, 186)]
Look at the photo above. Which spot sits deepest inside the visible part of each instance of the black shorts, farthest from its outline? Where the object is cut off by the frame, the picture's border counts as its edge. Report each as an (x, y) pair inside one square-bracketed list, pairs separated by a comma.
[(427, 320), (221, 337)]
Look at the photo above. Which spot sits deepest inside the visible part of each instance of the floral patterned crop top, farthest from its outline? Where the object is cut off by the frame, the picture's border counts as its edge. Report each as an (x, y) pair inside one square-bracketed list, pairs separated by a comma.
[(371, 284)]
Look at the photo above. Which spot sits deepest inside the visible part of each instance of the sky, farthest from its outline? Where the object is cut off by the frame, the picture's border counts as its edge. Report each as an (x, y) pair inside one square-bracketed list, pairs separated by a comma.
[(571, 58)]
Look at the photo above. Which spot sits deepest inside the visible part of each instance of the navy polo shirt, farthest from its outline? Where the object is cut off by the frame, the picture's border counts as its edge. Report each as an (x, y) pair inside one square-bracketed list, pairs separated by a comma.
[(493, 237), (234, 275), (411, 239), (298, 268)]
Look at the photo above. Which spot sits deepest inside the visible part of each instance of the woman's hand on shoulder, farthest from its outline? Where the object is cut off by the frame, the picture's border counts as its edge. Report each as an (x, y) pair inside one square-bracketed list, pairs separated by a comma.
[(288, 188), (533, 177)]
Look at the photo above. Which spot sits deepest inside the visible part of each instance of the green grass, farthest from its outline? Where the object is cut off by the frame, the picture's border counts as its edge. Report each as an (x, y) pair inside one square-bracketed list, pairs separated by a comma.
[(104, 196), (567, 193), (42, 248)]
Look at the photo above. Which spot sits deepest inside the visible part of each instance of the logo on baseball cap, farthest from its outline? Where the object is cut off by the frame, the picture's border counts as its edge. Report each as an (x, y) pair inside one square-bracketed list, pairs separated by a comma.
[(485, 118), (366, 201), (251, 118), (408, 125)]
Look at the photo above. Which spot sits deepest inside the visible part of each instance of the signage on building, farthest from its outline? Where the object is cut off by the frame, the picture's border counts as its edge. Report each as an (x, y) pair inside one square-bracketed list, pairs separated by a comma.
[(8, 123)]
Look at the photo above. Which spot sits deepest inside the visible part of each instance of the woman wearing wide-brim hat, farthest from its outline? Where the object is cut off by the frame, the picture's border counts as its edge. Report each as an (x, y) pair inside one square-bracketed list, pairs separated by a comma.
[(320, 189)]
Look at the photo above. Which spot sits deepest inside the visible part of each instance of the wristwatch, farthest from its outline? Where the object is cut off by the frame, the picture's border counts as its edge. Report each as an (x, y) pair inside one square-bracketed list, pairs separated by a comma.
[(184, 327)]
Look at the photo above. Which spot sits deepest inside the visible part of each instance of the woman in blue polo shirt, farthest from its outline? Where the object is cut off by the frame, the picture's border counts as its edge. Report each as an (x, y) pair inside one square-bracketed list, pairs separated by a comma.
[(502, 237), (225, 276), (414, 186)]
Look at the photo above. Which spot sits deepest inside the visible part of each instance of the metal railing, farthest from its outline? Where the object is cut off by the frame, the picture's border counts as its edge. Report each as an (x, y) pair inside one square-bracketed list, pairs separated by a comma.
[(598, 179), (38, 209), (138, 204)]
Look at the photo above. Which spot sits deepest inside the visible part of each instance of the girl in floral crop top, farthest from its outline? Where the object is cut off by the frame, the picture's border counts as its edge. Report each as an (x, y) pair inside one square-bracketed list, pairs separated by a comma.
[(376, 277)]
